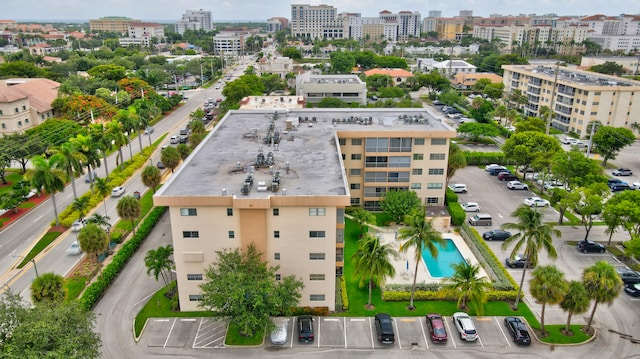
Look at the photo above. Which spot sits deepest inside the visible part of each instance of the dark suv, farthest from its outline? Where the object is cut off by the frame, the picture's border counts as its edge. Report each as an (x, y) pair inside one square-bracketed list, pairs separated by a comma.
[(384, 328), (518, 330), (305, 329), (590, 247)]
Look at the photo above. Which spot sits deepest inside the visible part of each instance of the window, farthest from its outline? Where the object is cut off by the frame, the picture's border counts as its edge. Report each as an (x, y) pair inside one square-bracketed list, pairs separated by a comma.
[(232, 234), (416, 185), (276, 211), (195, 297), (356, 142), (398, 177), (24, 108), (278, 277), (377, 145), (416, 171), (26, 121), (276, 234), (399, 161), (276, 256), (316, 234), (316, 297), (355, 201), (356, 156), (355, 186), (418, 141), (344, 157), (190, 234), (436, 171), (432, 200), (316, 256), (188, 212), (375, 177), (434, 185), (0, 112), (4, 126), (316, 276), (355, 172), (229, 211), (400, 145), (436, 156), (17, 111), (317, 211), (376, 161), (19, 123), (342, 141), (438, 141), (194, 276), (418, 156)]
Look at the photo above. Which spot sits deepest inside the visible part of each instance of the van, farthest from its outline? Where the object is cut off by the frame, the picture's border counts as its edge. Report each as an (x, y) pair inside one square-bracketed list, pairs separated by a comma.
[(480, 219)]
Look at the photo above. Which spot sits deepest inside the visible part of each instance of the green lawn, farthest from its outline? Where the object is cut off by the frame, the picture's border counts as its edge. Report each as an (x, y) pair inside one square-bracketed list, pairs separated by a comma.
[(42, 244), (555, 335), (11, 177), (74, 286), (234, 337)]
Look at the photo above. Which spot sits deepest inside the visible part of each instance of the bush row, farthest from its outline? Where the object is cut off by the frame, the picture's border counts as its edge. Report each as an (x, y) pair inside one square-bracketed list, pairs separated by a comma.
[(95, 290), (317, 311), (444, 294), (485, 158), (343, 293)]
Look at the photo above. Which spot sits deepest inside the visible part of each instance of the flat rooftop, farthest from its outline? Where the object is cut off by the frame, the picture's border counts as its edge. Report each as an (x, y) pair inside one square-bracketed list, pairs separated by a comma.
[(576, 76), (307, 157)]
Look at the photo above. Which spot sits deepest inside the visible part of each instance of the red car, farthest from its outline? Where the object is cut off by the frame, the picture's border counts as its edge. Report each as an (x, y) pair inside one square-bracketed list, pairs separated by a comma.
[(436, 328)]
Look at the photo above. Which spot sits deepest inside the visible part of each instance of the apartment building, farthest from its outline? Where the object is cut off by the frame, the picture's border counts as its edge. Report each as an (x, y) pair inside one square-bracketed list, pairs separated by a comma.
[(408, 23), (229, 42), (194, 20), (142, 33), (281, 180), (316, 22), (449, 28), (25, 103), (277, 23), (348, 88), (564, 40), (116, 24), (577, 98)]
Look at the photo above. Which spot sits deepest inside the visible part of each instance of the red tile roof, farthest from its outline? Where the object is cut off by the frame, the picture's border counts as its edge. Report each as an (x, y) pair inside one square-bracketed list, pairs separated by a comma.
[(389, 72)]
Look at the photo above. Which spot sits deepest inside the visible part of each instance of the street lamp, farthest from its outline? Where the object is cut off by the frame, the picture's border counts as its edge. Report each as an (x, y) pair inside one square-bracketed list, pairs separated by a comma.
[(32, 260)]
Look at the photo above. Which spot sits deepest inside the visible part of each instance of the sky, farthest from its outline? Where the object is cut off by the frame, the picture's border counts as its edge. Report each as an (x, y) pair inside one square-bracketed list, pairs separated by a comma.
[(260, 10)]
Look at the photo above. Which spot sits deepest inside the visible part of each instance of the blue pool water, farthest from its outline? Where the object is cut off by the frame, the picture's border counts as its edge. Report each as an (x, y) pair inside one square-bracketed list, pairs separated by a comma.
[(448, 254)]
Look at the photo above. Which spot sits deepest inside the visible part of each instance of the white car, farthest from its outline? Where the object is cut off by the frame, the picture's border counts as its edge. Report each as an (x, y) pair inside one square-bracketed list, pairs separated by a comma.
[(465, 327), (458, 187), (635, 185), (489, 167), (536, 202), (470, 207), (74, 249), (517, 185), (77, 225), (554, 184), (117, 191), (174, 140), (278, 335)]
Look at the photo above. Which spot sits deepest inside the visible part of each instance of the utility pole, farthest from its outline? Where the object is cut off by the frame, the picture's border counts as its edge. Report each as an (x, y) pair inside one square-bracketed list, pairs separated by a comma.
[(553, 96)]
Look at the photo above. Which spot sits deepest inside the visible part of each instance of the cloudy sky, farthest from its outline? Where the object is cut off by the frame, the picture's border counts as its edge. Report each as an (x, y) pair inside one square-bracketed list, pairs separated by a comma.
[(263, 9)]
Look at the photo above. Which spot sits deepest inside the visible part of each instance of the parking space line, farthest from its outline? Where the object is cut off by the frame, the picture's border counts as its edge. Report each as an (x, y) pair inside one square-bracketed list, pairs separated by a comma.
[(503, 334), (344, 324), (423, 334), (371, 333), (169, 335), (318, 333), (295, 322), (450, 333), (395, 322), (197, 332), (480, 340)]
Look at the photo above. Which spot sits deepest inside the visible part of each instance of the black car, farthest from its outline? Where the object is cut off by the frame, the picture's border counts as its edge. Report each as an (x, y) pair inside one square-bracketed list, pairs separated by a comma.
[(590, 247), (633, 289), (518, 261), (518, 330), (620, 187), (305, 329), (496, 234), (494, 171), (384, 329)]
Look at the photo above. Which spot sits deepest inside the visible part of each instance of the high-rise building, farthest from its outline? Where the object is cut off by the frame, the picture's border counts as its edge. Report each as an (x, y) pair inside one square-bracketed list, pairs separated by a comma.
[(466, 13), (116, 24), (409, 23), (194, 20), (316, 22), (435, 13), (277, 23)]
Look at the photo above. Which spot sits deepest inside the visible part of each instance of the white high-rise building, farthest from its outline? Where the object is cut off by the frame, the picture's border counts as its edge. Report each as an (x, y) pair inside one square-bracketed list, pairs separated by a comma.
[(194, 20), (316, 21)]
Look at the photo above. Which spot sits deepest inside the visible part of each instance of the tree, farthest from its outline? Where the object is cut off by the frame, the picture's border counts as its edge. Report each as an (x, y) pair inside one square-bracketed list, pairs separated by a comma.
[(170, 157), (563, 200), (576, 301), (531, 148), (159, 262), (48, 287), (610, 140), (590, 204), (476, 130), (184, 150), (398, 204), (609, 68), (534, 124), (371, 263), (624, 207), (101, 185), (361, 216), (151, 177), (533, 235), (342, 62), (81, 205), (243, 289), (456, 161), (603, 284), (89, 149), (70, 161), (575, 169), (129, 210), (547, 286), (292, 53), (469, 287), (115, 133), (420, 236), (93, 240), (48, 330), (46, 175)]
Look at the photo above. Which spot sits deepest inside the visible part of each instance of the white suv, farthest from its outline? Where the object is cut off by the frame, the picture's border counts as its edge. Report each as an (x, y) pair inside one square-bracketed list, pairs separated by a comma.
[(458, 187), (465, 327)]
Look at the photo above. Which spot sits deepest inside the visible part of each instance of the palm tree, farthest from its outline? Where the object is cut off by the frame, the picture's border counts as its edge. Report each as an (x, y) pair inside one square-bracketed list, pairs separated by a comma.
[(145, 111), (456, 161), (81, 205), (361, 216), (101, 185), (547, 286), (115, 133), (129, 120), (160, 263), (635, 127), (469, 287), (151, 177), (603, 284), (102, 222), (93, 240), (71, 160), (534, 236), (170, 157), (575, 301), (371, 263), (420, 236), (129, 209), (100, 138), (48, 287), (86, 146), (46, 175)]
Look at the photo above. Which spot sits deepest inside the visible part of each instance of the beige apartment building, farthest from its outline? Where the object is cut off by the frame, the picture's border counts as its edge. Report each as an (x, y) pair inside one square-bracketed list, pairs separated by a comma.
[(112, 24), (282, 180), (576, 97)]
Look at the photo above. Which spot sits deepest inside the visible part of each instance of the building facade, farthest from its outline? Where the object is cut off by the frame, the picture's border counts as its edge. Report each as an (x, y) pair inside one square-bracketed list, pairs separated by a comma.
[(316, 22), (277, 23), (348, 88), (26, 103), (288, 196), (449, 28), (194, 20), (111, 24), (577, 98), (229, 42)]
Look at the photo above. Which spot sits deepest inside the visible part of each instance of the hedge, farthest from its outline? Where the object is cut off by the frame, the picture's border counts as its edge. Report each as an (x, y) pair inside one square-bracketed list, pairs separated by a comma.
[(444, 294), (458, 215), (484, 158), (344, 295), (95, 290)]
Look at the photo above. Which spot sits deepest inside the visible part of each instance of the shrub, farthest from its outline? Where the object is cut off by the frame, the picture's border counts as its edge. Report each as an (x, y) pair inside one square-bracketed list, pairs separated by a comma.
[(343, 292), (458, 215), (484, 158), (450, 196)]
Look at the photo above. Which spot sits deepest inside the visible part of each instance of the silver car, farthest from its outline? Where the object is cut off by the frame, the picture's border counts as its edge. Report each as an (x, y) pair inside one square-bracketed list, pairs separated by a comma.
[(278, 335)]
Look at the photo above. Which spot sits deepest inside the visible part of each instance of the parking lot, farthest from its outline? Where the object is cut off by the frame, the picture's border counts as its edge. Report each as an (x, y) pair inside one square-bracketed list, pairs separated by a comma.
[(331, 333)]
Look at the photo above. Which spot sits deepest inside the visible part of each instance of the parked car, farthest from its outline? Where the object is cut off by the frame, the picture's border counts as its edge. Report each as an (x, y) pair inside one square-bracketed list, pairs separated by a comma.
[(490, 166), (496, 234), (635, 185), (536, 202), (518, 261), (384, 328), (161, 165), (518, 330), (74, 249), (622, 172), (470, 207), (590, 247), (174, 140), (458, 187), (305, 329), (183, 139), (507, 176), (117, 191), (494, 171), (620, 187), (615, 181), (514, 185), (628, 275), (554, 184), (278, 335), (435, 323), (567, 140), (465, 327), (632, 289)]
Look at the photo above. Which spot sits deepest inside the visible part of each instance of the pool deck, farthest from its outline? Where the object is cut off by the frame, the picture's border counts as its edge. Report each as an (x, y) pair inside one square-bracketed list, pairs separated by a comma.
[(404, 276)]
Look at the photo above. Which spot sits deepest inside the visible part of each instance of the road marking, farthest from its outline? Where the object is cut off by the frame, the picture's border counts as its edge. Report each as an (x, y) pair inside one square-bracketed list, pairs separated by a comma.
[(395, 323), (318, 333), (169, 335), (144, 299), (371, 331), (331, 319), (357, 320), (480, 340), (503, 334), (408, 320), (38, 218), (483, 319), (424, 335), (449, 331), (188, 320), (500, 215), (161, 320), (344, 324)]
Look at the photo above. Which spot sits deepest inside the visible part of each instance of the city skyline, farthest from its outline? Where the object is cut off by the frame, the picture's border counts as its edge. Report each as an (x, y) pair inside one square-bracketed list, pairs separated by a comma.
[(251, 10)]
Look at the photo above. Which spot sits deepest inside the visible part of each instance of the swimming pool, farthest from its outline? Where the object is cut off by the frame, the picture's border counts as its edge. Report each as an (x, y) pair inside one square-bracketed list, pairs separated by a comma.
[(448, 254)]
